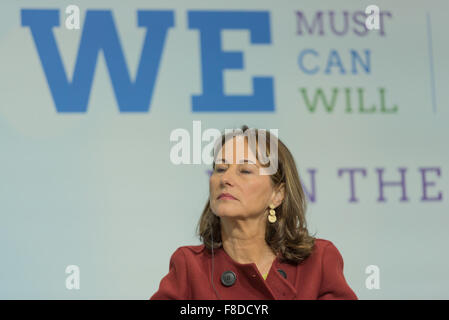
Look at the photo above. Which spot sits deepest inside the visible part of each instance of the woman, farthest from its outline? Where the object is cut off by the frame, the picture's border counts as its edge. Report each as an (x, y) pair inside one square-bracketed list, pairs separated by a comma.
[(253, 228)]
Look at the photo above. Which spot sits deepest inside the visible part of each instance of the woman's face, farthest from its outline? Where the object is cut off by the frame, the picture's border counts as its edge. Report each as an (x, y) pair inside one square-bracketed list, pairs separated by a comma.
[(238, 174)]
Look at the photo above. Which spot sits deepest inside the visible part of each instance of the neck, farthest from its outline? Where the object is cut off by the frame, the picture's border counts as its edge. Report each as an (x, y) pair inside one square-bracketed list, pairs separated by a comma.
[(244, 240)]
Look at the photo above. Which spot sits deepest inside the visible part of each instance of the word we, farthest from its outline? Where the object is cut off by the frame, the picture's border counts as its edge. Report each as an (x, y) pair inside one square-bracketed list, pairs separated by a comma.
[(99, 34)]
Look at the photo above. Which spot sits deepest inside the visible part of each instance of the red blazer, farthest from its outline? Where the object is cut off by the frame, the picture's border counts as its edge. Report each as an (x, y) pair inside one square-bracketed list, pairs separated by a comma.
[(320, 276)]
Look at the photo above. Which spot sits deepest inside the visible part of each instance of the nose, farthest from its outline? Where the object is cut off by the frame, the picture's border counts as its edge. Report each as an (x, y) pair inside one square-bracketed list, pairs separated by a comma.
[(227, 178)]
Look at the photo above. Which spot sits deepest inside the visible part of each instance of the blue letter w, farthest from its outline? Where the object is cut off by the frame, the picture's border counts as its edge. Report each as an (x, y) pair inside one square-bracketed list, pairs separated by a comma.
[(99, 33)]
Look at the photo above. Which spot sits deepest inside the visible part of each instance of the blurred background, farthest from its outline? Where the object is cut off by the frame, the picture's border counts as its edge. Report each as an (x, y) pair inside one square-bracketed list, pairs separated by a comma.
[(91, 91)]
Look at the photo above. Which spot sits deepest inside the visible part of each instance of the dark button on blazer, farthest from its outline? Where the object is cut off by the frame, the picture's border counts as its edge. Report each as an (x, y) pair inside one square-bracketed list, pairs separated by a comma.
[(320, 276)]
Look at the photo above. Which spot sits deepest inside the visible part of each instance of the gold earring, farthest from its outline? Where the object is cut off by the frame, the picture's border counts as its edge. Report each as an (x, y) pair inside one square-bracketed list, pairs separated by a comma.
[(272, 216)]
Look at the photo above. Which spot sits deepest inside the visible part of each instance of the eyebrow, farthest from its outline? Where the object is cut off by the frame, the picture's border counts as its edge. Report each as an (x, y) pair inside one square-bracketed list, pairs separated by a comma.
[(241, 161)]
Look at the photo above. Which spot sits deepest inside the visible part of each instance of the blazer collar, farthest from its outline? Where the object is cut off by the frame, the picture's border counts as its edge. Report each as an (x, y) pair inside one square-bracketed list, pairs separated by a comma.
[(275, 287)]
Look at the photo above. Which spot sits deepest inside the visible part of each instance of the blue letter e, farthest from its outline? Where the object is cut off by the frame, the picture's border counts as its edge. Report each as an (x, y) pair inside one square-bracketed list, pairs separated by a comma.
[(214, 60)]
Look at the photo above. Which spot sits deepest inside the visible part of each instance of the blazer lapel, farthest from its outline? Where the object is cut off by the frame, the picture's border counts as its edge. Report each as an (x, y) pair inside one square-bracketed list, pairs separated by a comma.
[(282, 288), (275, 287)]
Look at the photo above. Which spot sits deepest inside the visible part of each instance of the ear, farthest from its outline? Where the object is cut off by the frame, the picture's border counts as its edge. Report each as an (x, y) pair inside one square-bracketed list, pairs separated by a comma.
[(278, 195)]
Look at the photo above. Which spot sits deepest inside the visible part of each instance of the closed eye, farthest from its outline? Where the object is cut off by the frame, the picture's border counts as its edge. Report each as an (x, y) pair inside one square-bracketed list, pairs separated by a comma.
[(223, 169)]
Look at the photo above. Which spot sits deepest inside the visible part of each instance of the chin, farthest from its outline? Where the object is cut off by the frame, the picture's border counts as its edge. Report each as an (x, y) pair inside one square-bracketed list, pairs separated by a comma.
[(222, 212), (228, 214)]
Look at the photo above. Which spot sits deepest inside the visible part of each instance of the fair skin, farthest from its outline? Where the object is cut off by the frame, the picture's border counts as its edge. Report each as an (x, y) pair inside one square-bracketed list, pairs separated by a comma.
[(243, 219)]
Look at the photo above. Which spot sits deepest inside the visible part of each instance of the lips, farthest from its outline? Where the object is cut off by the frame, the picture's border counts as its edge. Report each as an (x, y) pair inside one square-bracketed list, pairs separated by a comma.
[(226, 196)]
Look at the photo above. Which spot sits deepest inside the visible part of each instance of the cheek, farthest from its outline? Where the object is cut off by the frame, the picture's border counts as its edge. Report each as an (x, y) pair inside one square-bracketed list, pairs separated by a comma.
[(212, 182), (258, 192), (213, 188)]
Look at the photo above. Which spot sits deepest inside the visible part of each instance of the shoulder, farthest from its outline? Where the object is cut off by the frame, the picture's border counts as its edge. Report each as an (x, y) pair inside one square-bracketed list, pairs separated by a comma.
[(325, 259), (333, 284), (321, 244), (195, 249), (327, 253), (323, 248), (190, 249), (188, 252)]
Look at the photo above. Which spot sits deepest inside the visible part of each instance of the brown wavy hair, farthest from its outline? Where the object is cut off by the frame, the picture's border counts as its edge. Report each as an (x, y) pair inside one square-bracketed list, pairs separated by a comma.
[(288, 236)]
